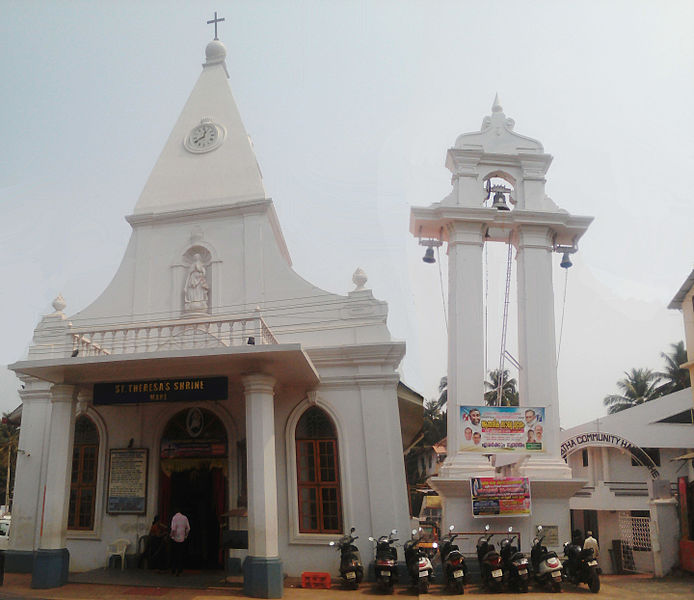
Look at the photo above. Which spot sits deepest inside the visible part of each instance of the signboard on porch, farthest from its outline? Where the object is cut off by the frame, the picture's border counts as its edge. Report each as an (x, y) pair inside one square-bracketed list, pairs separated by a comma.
[(161, 390), (127, 481), (492, 429), (500, 497)]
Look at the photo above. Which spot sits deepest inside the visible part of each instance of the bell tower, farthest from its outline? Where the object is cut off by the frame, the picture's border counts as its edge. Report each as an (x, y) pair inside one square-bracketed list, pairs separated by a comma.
[(498, 195)]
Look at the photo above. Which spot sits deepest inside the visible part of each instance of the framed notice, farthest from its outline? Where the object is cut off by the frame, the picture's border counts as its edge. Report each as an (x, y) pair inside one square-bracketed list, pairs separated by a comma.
[(500, 497), (127, 482)]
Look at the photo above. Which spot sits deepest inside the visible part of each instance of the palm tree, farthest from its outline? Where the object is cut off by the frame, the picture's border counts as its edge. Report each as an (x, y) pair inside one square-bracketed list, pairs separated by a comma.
[(434, 425), (509, 393), (639, 386), (443, 392), (676, 378)]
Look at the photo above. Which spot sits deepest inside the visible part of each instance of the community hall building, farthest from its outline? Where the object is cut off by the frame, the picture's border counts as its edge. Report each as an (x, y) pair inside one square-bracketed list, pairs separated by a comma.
[(211, 377)]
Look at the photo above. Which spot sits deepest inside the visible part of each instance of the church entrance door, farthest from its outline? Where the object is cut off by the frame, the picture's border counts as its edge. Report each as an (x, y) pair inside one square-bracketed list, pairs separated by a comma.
[(193, 478)]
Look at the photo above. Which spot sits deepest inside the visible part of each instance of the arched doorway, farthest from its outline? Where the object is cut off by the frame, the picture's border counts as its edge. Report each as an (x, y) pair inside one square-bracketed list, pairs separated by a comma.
[(193, 478)]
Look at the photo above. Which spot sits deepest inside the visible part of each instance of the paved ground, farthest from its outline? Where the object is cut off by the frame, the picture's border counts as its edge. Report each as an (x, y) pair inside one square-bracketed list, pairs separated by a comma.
[(614, 587)]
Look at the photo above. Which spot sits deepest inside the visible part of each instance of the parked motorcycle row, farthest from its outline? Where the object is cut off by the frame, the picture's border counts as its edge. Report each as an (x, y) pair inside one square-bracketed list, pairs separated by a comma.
[(507, 568)]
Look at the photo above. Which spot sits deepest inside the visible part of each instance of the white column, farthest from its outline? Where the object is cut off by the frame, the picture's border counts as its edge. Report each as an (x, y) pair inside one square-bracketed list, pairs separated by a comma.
[(536, 338), (56, 493), (465, 329), (262, 476), (28, 489)]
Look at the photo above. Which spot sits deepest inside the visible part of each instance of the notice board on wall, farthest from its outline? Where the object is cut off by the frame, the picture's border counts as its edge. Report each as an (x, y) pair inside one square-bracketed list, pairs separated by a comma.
[(127, 482)]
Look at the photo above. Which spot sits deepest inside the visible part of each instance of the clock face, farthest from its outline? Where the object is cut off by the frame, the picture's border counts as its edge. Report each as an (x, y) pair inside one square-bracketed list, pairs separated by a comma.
[(204, 137)]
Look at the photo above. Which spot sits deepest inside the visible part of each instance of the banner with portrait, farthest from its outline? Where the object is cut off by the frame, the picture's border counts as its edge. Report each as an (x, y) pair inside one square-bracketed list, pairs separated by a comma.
[(500, 497), (492, 429)]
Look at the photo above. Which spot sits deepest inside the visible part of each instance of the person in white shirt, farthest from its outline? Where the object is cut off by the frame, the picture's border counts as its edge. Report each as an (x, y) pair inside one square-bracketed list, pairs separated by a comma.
[(180, 528), (591, 542)]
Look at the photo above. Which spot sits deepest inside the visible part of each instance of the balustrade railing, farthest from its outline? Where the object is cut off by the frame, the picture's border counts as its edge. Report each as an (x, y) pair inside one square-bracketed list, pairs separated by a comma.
[(172, 335)]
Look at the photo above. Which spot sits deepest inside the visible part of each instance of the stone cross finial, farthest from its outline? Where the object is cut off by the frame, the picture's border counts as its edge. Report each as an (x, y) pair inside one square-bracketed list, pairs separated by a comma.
[(215, 21)]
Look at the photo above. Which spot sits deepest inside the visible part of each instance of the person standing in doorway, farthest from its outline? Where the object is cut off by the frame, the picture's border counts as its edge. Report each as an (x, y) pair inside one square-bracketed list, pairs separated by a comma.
[(180, 528), (591, 542)]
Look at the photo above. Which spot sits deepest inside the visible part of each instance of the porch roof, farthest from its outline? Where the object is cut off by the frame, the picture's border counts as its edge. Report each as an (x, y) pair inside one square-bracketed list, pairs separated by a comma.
[(288, 363)]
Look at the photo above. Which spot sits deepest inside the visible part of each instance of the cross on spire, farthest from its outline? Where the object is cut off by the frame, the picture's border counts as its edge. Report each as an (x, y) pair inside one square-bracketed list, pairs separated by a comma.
[(215, 21)]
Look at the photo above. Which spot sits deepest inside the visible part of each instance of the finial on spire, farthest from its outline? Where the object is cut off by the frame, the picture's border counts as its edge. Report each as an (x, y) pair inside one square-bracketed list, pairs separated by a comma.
[(496, 107), (215, 21)]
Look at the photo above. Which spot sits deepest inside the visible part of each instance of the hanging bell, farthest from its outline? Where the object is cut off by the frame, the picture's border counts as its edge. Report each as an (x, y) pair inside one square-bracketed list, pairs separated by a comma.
[(429, 255), (500, 201), (565, 261)]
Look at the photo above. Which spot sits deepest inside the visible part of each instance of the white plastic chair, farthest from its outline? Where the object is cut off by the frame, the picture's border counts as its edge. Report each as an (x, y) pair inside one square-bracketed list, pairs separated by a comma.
[(118, 548)]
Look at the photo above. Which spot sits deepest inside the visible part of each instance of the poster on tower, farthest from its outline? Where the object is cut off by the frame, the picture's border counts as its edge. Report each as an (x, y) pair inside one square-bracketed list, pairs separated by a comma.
[(492, 429), (500, 497)]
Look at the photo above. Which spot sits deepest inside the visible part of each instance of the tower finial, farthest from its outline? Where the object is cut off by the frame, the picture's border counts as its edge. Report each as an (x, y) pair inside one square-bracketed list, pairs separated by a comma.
[(496, 107), (215, 21)]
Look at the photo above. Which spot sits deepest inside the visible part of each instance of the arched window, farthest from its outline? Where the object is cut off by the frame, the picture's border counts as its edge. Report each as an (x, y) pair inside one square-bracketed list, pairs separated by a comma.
[(318, 478), (84, 469)]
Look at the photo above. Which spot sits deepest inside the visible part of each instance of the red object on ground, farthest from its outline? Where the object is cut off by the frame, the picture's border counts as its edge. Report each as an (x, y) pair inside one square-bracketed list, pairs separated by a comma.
[(315, 580), (687, 555)]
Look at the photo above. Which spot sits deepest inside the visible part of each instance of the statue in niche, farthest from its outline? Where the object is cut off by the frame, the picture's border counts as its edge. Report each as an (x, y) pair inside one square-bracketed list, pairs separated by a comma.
[(196, 288)]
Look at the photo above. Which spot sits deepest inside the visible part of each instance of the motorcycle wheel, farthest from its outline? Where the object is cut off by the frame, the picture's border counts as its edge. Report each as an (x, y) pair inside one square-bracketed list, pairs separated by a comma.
[(594, 582), (556, 586), (523, 586), (459, 586), (423, 585)]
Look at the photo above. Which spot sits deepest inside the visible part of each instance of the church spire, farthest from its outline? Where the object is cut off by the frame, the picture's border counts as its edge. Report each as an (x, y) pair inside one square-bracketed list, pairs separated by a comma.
[(208, 160)]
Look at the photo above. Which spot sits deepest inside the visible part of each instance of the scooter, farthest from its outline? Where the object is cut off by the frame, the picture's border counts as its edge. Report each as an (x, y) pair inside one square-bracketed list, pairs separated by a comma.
[(580, 566), (491, 571), (453, 563), (514, 563), (386, 561), (546, 564), (351, 569), (418, 561)]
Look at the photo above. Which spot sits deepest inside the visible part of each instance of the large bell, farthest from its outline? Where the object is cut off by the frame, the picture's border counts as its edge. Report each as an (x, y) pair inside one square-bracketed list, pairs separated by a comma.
[(500, 201), (429, 255), (565, 261)]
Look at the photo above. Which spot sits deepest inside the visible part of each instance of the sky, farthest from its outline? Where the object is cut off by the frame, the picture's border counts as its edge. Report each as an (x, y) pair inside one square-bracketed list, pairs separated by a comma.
[(351, 106)]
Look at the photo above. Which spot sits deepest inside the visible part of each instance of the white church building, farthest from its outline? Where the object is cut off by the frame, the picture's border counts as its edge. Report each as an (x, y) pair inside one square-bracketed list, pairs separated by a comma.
[(210, 377)]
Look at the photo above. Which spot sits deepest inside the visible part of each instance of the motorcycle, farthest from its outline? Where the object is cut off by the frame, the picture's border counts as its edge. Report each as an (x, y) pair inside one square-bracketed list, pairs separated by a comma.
[(351, 569), (386, 561), (546, 564), (453, 563), (418, 561), (514, 563), (580, 566), (491, 571)]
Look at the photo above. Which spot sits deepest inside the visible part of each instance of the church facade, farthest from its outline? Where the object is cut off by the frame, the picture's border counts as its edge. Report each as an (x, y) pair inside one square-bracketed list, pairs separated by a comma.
[(210, 378)]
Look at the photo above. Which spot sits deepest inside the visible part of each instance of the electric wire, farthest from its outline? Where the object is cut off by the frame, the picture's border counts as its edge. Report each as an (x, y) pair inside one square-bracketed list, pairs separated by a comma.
[(443, 297), (563, 309)]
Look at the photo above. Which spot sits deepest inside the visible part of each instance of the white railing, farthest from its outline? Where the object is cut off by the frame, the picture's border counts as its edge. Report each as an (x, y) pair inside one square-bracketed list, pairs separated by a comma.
[(172, 335)]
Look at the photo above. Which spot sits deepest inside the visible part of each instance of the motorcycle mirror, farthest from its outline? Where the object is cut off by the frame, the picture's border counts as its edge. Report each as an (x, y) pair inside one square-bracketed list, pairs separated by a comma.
[(486, 527), (371, 538), (332, 543), (394, 532), (353, 530), (510, 529), (539, 527), (414, 532), (419, 530), (434, 545)]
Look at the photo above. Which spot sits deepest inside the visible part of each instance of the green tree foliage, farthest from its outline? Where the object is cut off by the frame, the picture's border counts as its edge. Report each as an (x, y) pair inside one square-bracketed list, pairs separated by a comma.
[(675, 378), (9, 435), (638, 386), (509, 391), (434, 426)]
